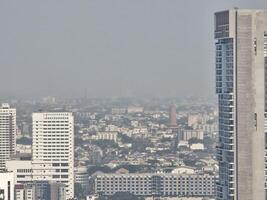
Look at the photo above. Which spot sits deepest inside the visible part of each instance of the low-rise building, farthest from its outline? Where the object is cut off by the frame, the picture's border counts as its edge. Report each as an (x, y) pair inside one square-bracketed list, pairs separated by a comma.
[(110, 135), (197, 146), (192, 134), (153, 184)]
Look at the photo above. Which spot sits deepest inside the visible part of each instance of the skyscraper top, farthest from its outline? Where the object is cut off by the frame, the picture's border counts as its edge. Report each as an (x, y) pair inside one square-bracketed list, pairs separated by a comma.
[(241, 85)]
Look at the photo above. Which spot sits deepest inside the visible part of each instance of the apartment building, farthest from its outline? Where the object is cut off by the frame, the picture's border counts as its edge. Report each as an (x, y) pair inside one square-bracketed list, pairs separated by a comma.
[(152, 184)]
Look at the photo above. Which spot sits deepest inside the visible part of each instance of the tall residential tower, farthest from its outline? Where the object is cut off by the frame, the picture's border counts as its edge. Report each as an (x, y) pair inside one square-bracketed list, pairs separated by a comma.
[(53, 148), (7, 134), (241, 85)]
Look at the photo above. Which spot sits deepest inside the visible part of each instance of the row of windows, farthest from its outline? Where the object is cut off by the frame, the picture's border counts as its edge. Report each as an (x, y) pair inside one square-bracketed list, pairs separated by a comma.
[(208, 188), (57, 121), (24, 170), (53, 124), (164, 178), (60, 176), (165, 193)]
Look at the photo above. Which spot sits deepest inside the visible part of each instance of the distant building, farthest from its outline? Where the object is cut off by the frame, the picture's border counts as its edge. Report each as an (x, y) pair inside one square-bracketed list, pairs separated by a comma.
[(135, 109), (49, 100), (208, 128), (110, 135), (193, 119), (164, 185), (184, 170), (197, 146), (7, 184), (7, 134), (183, 143), (82, 177), (21, 148), (118, 111), (190, 134), (172, 116)]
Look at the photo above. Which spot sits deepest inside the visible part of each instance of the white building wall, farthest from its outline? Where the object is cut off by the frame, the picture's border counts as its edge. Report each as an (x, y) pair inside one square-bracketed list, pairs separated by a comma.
[(22, 170), (7, 134), (7, 183), (53, 148)]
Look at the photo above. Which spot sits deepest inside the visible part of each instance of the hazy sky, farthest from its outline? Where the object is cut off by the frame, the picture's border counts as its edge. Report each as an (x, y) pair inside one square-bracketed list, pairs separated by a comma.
[(109, 47)]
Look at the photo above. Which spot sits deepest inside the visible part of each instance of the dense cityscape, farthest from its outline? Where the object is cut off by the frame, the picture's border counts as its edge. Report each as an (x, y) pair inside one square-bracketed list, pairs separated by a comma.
[(143, 128), (139, 148)]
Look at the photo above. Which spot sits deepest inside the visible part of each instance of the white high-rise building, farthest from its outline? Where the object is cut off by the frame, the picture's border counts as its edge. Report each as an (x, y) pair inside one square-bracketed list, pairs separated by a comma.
[(53, 148), (7, 134), (241, 85), (7, 184)]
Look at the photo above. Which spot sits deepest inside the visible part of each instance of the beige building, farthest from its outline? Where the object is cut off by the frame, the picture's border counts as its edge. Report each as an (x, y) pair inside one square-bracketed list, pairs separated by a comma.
[(108, 135), (190, 134)]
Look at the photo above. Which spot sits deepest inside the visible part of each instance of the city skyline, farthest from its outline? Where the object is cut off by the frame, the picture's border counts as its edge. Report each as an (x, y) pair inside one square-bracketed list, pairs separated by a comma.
[(115, 100)]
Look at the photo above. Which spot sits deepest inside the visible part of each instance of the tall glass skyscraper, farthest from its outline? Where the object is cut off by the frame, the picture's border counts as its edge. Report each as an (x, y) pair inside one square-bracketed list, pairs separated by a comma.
[(241, 81)]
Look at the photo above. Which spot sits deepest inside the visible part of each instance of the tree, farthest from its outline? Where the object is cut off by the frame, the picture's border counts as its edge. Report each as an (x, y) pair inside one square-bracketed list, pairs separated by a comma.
[(140, 144), (104, 169), (125, 138), (104, 144)]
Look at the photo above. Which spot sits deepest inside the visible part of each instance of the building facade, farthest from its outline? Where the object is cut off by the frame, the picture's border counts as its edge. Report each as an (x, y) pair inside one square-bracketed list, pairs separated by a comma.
[(40, 190), (7, 134), (7, 183), (53, 149), (176, 185), (22, 169), (172, 116), (82, 177), (241, 52), (108, 135), (192, 134)]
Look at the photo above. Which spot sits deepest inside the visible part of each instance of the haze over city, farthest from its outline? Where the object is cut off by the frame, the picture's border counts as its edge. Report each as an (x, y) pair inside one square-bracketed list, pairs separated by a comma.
[(133, 100), (108, 48)]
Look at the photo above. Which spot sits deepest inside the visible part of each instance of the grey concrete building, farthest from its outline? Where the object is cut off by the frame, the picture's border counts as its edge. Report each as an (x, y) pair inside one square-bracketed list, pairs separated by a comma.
[(241, 72), (153, 184)]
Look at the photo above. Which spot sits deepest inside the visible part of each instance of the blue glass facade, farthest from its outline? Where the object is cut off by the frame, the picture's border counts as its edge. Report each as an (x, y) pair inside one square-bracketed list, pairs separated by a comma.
[(225, 89)]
